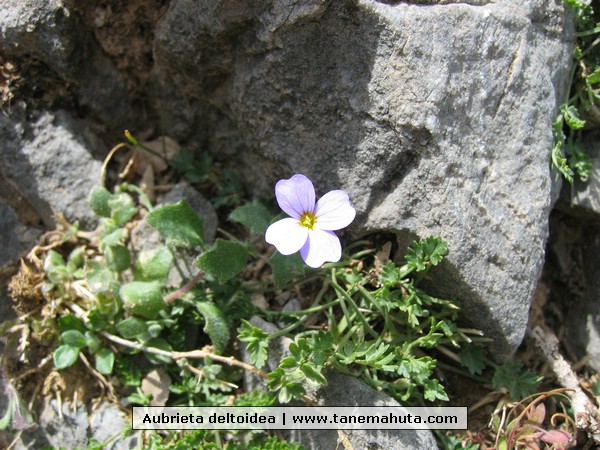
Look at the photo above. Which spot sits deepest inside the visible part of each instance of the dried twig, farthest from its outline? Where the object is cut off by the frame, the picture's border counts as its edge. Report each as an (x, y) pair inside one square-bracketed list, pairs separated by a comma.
[(194, 354), (587, 416)]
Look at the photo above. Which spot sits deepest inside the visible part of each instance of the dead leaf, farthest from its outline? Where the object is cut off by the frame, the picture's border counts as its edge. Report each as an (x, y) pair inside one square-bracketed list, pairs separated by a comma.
[(157, 383), (164, 146)]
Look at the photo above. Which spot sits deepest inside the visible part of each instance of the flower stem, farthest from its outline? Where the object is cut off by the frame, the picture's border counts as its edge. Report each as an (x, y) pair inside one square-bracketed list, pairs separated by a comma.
[(350, 300), (169, 298)]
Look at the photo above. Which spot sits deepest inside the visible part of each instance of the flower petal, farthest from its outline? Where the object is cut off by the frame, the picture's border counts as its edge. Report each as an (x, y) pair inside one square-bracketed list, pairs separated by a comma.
[(287, 235), (295, 195), (334, 211), (321, 246)]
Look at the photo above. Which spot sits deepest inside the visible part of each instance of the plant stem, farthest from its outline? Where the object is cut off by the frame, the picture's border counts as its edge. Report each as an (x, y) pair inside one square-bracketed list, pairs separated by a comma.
[(350, 300), (169, 298)]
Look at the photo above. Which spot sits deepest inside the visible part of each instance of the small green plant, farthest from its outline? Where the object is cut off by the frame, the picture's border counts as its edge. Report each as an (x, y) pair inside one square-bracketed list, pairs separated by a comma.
[(379, 327), (157, 325), (568, 155)]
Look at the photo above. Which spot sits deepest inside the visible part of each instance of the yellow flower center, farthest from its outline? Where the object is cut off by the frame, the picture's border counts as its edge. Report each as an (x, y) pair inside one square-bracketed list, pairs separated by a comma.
[(308, 220)]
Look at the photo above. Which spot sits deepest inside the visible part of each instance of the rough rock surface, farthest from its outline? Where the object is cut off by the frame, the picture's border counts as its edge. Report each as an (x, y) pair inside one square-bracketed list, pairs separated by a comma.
[(341, 390), (54, 42), (73, 428), (584, 197), (434, 117), (49, 162), (15, 237)]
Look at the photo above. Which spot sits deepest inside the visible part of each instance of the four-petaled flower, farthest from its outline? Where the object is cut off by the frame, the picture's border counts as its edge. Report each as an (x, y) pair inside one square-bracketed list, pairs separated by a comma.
[(310, 225)]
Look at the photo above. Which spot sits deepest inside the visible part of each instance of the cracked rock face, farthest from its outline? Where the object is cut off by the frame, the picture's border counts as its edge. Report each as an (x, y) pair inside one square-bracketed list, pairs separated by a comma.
[(47, 160), (434, 117)]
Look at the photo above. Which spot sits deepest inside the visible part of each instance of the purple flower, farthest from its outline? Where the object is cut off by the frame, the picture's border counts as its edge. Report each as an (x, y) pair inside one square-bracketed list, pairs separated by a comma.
[(310, 225)]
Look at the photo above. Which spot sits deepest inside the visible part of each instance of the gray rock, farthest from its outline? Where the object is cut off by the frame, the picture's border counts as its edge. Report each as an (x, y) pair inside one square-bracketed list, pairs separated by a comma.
[(341, 390), (49, 162), (69, 430), (74, 428), (435, 118), (39, 31), (106, 421), (46, 31), (16, 238), (584, 196)]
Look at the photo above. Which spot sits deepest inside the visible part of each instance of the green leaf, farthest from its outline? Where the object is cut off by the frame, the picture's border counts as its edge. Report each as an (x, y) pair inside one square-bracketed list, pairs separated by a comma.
[(94, 444), (289, 362), (97, 321), (254, 215), (559, 162), (142, 298), (579, 161), (596, 388), (118, 258), (571, 117), (434, 391), (153, 264), (215, 325), (257, 342), (312, 374), (288, 390), (122, 208), (65, 356), (98, 201), (196, 168), (114, 237), (178, 224), (223, 260), (292, 390), (105, 360), (594, 77), (182, 160), (390, 275), (286, 268), (74, 338), (129, 373), (160, 344), (76, 258), (70, 322), (8, 415), (518, 383), (429, 251), (100, 279), (55, 268), (473, 358), (92, 342)]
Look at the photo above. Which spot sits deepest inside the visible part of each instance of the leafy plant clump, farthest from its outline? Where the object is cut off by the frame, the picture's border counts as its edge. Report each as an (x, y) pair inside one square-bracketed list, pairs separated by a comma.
[(160, 320)]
